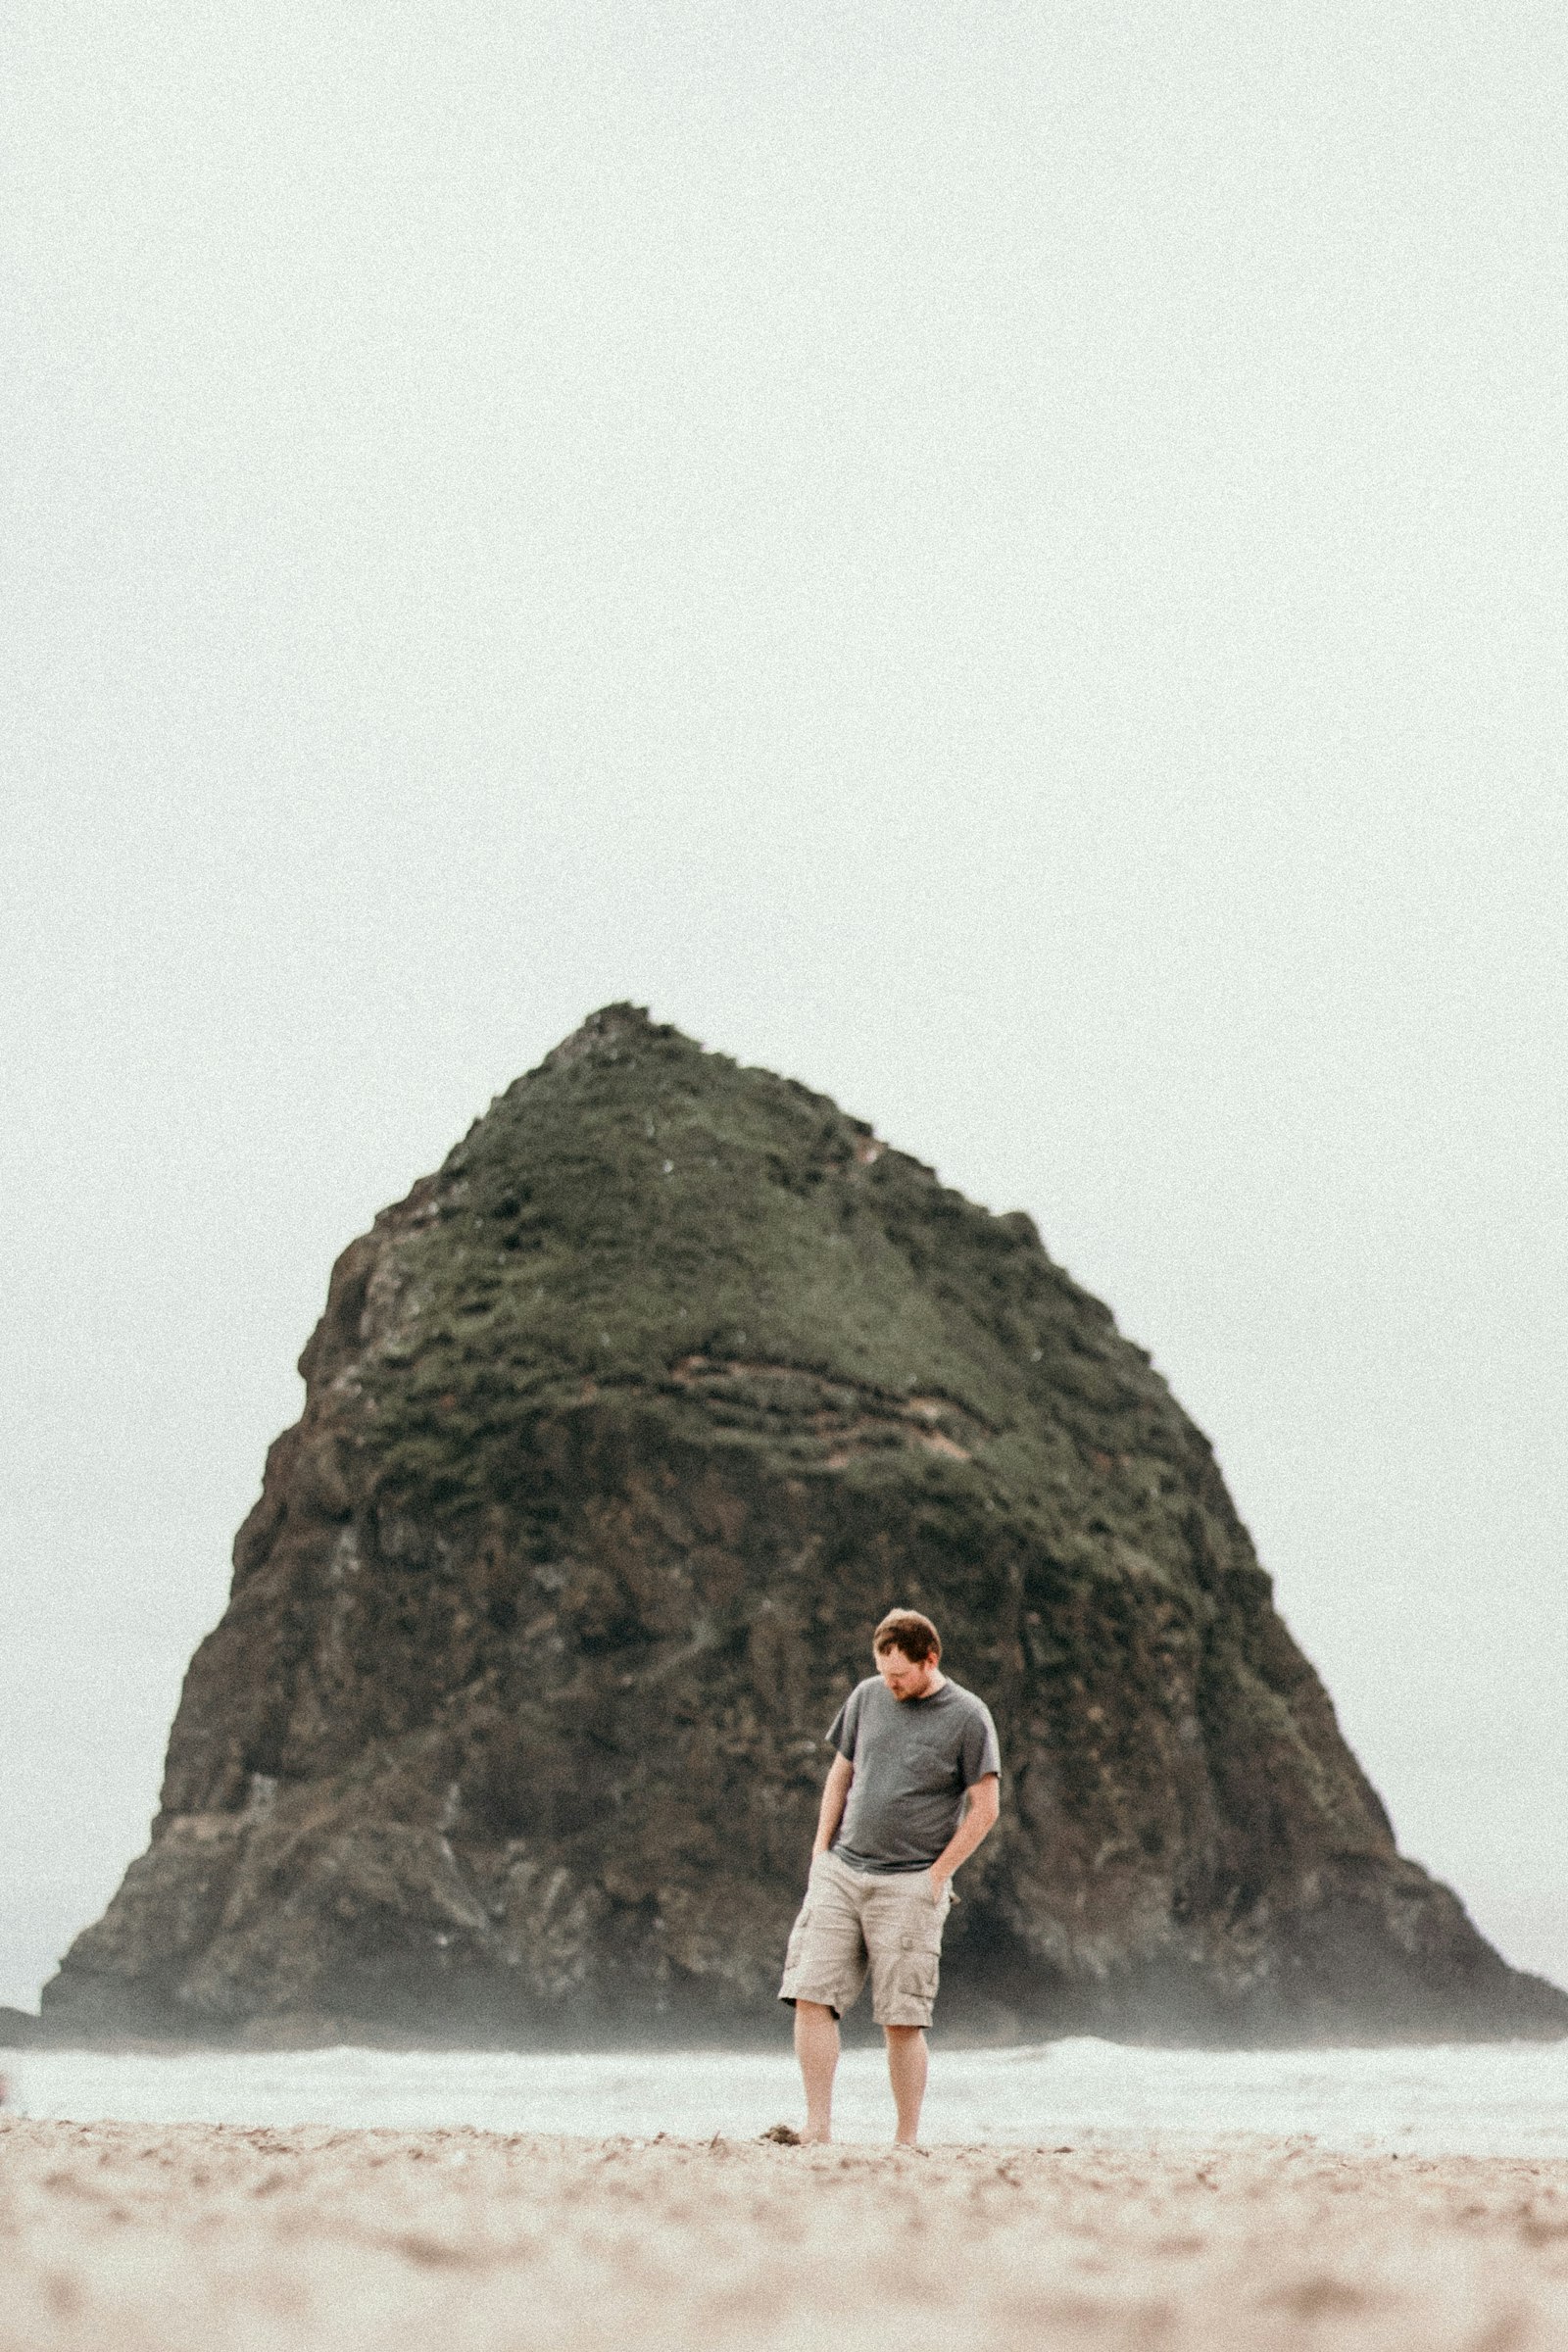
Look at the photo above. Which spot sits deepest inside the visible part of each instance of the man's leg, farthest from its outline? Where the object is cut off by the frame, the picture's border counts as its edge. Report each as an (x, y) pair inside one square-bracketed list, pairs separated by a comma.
[(816, 2047), (907, 2073), (824, 1969), (904, 1934)]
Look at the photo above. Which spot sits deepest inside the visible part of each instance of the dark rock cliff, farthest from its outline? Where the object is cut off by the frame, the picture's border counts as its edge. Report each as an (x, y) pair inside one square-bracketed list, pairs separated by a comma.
[(620, 1433)]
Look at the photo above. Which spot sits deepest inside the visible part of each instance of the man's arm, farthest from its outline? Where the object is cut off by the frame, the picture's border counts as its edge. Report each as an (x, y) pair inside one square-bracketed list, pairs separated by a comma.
[(835, 1795), (979, 1820)]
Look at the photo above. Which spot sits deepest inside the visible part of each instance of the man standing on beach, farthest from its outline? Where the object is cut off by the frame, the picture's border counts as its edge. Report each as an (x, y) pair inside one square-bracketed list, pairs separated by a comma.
[(910, 1792)]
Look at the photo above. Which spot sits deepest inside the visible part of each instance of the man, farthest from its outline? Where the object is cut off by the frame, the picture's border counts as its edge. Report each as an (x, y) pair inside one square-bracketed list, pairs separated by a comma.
[(910, 1795)]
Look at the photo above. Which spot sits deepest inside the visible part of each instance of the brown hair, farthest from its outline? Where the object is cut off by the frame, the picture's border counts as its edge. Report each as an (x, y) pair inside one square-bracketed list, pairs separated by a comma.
[(909, 1630)]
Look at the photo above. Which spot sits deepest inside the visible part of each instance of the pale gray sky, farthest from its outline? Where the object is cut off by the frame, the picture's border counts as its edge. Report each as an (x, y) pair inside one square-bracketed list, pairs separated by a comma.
[(1007, 562)]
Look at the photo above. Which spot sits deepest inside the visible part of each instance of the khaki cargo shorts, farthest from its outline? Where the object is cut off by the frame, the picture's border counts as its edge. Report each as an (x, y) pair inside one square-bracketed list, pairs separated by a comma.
[(852, 1920)]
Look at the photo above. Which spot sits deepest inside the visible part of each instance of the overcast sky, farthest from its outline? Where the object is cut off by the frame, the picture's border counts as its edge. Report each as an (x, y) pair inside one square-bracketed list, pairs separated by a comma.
[(1007, 562)]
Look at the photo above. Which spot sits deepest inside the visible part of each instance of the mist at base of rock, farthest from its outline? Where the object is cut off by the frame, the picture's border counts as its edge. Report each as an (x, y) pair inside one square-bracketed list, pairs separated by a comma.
[(622, 1431)]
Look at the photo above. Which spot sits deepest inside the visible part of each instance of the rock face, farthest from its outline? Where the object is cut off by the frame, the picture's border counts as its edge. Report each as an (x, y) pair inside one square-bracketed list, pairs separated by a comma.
[(620, 1433)]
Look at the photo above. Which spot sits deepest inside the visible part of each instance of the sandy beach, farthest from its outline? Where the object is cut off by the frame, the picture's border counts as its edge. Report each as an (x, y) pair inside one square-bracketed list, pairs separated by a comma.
[(134, 2238)]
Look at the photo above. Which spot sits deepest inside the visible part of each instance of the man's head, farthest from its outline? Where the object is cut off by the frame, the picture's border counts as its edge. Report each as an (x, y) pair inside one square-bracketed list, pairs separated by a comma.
[(908, 1650)]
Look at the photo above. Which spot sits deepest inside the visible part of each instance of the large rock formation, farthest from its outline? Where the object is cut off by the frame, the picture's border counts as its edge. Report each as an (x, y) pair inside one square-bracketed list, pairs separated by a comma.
[(620, 1431)]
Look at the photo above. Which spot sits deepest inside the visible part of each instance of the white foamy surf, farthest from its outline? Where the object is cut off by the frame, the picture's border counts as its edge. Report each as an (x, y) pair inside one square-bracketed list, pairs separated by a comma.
[(1499, 2099)]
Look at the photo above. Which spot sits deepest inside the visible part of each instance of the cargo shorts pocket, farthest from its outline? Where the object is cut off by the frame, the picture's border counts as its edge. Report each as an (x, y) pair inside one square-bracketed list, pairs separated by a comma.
[(919, 1972), (796, 1946), (906, 1983)]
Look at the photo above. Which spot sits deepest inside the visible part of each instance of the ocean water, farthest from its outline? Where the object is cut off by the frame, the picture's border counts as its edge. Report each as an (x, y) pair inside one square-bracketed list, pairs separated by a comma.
[(1499, 2099)]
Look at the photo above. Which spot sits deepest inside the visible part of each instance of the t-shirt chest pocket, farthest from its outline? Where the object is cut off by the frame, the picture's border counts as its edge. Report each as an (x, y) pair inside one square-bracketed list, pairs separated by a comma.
[(933, 1764)]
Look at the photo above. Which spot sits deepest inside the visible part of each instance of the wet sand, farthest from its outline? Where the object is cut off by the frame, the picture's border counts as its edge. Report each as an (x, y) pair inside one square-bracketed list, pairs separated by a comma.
[(204, 2238)]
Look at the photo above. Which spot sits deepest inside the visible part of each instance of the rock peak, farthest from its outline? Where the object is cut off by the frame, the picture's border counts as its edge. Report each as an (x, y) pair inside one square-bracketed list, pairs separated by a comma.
[(612, 1030)]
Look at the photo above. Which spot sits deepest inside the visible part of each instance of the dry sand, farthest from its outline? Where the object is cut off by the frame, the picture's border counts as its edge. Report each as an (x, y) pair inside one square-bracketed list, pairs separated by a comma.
[(132, 2238)]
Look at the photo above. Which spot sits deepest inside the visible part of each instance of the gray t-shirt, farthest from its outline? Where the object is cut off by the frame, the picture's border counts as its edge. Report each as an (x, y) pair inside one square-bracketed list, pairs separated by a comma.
[(914, 1759)]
